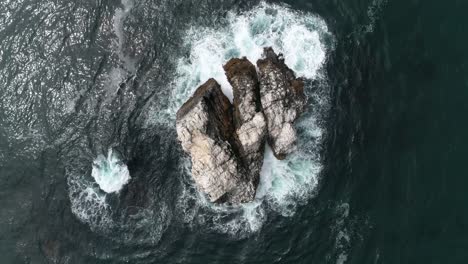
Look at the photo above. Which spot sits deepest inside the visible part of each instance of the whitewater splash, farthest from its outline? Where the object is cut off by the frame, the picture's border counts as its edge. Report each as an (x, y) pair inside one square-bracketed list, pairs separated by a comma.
[(88, 195), (110, 172), (304, 40)]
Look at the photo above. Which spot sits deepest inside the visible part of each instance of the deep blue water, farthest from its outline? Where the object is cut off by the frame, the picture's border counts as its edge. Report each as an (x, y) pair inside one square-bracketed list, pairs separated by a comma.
[(380, 177)]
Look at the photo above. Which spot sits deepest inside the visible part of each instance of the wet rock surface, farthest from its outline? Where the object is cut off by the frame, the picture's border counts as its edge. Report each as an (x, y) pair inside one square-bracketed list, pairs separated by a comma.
[(226, 140)]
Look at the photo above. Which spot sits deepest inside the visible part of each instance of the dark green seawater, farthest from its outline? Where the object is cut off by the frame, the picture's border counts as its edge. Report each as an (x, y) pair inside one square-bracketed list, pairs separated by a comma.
[(383, 180)]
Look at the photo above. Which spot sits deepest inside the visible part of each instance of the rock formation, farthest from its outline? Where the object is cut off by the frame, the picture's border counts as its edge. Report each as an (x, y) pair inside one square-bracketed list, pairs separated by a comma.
[(283, 100), (206, 131), (226, 141), (248, 116)]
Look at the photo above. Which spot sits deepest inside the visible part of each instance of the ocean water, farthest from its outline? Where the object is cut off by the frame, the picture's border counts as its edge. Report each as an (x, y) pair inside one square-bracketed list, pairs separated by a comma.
[(91, 170)]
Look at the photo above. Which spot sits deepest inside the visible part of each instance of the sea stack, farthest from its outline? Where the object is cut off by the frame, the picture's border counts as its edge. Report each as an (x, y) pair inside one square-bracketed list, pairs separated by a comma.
[(283, 100), (249, 121), (226, 140), (206, 130)]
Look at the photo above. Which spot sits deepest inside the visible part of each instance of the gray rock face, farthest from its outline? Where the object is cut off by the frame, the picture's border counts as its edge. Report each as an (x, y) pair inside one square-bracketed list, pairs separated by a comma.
[(248, 116), (206, 131), (283, 100), (226, 141)]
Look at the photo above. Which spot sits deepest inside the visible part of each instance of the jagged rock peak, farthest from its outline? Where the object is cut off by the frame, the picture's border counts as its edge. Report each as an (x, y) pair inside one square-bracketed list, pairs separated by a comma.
[(283, 100), (226, 141), (249, 120), (206, 131)]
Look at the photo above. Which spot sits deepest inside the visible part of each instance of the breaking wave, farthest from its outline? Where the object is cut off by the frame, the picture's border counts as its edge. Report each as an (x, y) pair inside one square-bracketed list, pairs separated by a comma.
[(305, 42), (110, 173)]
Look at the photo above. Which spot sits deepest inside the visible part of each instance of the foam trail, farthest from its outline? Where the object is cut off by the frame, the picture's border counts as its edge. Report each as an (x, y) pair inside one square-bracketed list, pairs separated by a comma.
[(342, 236), (119, 18), (88, 202), (373, 13), (110, 173)]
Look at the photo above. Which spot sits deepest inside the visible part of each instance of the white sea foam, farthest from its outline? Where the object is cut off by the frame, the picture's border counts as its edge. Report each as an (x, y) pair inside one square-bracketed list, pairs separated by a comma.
[(302, 38), (89, 198), (110, 172), (88, 202), (298, 36)]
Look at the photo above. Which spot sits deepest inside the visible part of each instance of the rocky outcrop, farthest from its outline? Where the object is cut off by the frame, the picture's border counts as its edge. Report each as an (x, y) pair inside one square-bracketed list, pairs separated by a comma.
[(206, 130), (226, 141), (248, 116), (283, 100)]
